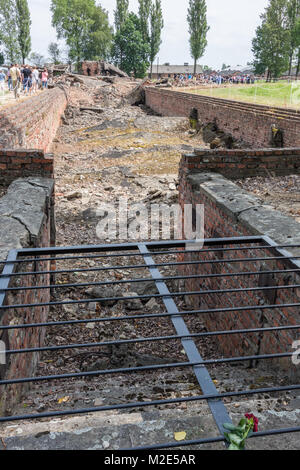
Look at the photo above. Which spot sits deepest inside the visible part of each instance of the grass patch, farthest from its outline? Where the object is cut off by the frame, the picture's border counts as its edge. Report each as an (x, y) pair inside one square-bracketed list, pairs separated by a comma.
[(280, 94), (128, 138)]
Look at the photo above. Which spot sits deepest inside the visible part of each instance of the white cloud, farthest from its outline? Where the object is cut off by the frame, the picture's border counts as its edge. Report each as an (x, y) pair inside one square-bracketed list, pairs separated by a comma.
[(232, 23)]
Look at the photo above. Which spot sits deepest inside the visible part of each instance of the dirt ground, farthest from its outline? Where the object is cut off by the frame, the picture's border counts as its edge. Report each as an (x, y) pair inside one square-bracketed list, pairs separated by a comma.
[(281, 193), (8, 99), (124, 152)]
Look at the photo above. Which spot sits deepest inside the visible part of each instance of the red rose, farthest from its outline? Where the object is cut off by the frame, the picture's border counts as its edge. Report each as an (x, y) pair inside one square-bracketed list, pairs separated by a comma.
[(255, 421)]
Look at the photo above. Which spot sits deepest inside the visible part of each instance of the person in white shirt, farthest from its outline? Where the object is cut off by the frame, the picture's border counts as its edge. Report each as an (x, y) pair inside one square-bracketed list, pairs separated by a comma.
[(35, 79), (16, 79), (2, 81)]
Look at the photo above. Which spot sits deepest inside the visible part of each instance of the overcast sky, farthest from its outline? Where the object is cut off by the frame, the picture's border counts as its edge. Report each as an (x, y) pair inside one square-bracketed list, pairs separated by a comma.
[(232, 27)]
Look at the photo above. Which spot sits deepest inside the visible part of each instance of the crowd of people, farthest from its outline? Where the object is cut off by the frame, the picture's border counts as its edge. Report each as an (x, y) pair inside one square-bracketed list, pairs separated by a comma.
[(24, 79), (213, 79)]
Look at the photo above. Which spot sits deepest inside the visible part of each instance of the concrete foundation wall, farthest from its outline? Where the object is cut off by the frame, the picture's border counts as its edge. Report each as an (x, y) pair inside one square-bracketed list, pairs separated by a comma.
[(26, 220), (232, 212), (245, 122)]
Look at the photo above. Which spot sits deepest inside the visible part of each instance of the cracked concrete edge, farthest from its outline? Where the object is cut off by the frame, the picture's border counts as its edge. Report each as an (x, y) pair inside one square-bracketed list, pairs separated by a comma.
[(126, 431), (22, 213), (45, 183), (246, 209), (13, 235)]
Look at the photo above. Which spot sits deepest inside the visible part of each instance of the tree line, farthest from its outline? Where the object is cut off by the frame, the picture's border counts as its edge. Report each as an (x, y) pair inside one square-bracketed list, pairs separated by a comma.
[(276, 45), (135, 40), (15, 35), (132, 43), (138, 37), (15, 40)]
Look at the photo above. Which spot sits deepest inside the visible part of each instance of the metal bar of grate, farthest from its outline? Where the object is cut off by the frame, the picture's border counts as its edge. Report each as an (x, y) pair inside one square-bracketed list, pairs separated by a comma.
[(146, 404), (146, 251), (217, 407), (139, 280), (6, 273), (128, 370), (148, 316), (153, 339), (158, 265), (134, 246), (170, 445), (154, 253), (155, 296)]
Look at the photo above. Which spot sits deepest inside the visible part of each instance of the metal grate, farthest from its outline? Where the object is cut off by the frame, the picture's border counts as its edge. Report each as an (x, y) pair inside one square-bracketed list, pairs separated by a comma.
[(244, 252)]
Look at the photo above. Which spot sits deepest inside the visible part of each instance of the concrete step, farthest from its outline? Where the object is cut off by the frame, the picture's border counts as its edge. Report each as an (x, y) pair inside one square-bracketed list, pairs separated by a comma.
[(146, 426), (116, 430)]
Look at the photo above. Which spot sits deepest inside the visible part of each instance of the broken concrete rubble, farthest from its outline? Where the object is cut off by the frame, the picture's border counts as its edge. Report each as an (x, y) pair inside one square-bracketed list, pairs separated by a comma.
[(22, 213), (102, 68)]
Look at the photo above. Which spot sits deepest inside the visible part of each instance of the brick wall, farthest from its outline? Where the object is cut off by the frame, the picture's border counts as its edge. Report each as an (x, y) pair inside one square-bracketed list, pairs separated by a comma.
[(237, 164), (246, 122), (27, 214), (32, 124), (91, 68), (232, 212), (22, 163)]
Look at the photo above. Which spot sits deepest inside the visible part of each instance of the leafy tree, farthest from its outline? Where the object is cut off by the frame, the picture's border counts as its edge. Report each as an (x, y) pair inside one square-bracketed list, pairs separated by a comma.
[(260, 48), (121, 13), (9, 30), (54, 52), (36, 59), (156, 26), (144, 16), (73, 21), (293, 17), (98, 42), (198, 29), (84, 26), (15, 29), (298, 63), (297, 30), (65, 56), (23, 23), (130, 41), (271, 45)]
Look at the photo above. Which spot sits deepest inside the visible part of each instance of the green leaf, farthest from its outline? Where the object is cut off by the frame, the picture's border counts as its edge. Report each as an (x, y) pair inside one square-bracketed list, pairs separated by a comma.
[(238, 434), (235, 439), (230, 427), (243, 422), (241, 429)]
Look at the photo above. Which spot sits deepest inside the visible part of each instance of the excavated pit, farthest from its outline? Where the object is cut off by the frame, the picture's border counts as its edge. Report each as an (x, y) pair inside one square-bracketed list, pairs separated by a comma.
[(126, 152)]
